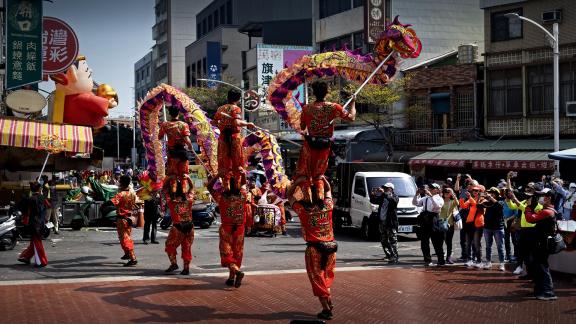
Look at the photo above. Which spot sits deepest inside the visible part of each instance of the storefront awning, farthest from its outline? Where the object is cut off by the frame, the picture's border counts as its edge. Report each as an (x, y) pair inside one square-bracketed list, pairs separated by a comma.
[(497, 160), (28, 134)]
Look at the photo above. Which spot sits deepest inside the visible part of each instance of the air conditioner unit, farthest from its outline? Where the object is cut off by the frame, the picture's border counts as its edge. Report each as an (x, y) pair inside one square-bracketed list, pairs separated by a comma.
[(571, 109), (552, 16)]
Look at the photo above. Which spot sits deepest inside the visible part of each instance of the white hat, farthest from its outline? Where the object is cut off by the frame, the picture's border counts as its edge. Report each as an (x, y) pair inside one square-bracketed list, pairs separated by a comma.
[(449, 179), (436, 186), (389, 185), (572, 185)]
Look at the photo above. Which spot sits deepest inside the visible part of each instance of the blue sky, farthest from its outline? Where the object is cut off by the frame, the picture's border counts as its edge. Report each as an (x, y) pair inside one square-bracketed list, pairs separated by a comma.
[(113, 35)]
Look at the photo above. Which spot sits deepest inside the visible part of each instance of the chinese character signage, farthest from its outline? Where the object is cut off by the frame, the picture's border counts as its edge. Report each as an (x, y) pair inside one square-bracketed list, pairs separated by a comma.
[(59, 45), (213, 62), (374, 19), (270, 60), (23, 42)]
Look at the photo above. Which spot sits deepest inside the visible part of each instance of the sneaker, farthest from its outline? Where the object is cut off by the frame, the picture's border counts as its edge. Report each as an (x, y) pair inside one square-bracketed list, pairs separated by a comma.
[(125, 257), (502, 267), (546, 297), (239, 277), (155, 242), (469, 264), (171, 268), (478, 265), (449, 261), (487, 265), (25, 261), (185, 272), (145, 241), (461, 259), (325, 315), (230, 282), (131, 263), (518, 270), (429, 264)]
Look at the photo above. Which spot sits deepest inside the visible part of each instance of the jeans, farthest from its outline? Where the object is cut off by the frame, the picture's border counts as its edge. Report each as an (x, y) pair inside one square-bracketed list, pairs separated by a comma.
[(498, 235), (473, 242), (426, 234), (510, 237), (448, 240), (537, 263)]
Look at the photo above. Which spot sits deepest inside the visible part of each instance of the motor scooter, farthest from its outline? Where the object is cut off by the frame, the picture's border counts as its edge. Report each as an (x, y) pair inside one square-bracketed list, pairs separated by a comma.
[(8, 230)]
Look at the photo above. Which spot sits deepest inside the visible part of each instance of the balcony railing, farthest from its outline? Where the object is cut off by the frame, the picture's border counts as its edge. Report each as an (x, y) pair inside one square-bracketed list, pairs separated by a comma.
[(432, 137)]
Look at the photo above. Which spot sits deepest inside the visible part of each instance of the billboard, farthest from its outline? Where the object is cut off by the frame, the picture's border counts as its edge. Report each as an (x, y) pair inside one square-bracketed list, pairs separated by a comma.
[(23, 42), (374, 19)]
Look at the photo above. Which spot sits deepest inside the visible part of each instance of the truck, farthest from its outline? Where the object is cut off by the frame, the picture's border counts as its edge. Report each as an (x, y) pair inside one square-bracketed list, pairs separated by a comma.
[(354, 206)]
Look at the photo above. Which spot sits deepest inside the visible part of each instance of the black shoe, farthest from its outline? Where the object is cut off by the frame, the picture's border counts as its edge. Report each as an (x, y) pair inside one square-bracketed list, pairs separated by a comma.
[(125, 257), (393, 261), (171, 268), (145, 241), (155, 242), (185, 272), (56, 233), (131, 263), (238, 280), (230, 282), (284, 233), (25, 261), (325, 314)]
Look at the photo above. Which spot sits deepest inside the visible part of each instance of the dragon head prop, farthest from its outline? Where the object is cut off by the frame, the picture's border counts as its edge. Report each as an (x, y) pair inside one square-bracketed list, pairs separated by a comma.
[(400, 38)]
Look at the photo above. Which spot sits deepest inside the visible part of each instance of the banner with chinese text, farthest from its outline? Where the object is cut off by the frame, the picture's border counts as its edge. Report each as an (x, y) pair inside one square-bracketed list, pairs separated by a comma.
[(23, 42)]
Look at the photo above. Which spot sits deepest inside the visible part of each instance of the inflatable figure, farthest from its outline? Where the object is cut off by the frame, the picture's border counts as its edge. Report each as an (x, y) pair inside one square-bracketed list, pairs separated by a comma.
[(75, 103)]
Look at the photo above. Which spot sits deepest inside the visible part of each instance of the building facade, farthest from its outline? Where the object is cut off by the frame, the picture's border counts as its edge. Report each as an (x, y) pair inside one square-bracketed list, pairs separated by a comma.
[(441, 25), (143, 77), (222, 21), (518, 67), (174, 29)]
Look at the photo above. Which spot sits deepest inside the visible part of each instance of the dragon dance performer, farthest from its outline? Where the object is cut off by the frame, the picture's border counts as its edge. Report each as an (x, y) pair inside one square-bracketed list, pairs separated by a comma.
[(178, 134), (182, 233), (317, 123), (316, 221), (231, 160), (232, 205), (125, 201)]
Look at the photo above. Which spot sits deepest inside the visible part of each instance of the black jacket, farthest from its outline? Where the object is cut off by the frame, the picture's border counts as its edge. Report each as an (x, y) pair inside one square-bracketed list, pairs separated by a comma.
[(391, 220)]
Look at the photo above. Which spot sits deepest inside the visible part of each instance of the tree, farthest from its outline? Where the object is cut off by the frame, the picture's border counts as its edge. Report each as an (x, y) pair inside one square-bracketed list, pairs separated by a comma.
[(210, 98), (373, 103)]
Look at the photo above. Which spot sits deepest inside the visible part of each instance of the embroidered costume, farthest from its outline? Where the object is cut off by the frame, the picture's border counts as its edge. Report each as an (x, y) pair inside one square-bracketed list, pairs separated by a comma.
[(182, 232), (125, 201), (231, 159)]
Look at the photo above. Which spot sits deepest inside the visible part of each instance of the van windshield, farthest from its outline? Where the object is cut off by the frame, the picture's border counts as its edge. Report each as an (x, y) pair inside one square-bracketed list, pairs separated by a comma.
[(403, 187)]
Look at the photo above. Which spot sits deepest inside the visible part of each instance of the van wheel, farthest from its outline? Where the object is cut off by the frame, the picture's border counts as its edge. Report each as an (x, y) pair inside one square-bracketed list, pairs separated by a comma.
[(365, 230)]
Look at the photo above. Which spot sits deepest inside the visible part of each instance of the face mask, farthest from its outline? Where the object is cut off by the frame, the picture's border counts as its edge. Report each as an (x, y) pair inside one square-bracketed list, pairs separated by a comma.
[(541, 201)]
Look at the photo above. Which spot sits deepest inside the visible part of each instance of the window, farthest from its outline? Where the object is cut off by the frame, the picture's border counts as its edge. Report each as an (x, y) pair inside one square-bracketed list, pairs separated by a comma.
[(403, 187), (359, 187), (229, 12), (358, 40), (222, 15), (210, 26), (506, 28), (505, 92), (204, 26), (333, 7), (336, 43), (199, 68), (198, 31), (567, 84), (216, 19), (540, 89), (357, 3), (204, 67)]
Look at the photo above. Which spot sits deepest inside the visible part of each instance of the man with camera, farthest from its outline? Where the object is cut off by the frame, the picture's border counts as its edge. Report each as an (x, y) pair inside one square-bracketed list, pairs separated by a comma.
[(431, 204), (387, 201)]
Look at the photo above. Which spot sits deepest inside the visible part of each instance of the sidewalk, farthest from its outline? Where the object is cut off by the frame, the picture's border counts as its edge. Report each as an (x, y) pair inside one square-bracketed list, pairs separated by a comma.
[(387, 295)]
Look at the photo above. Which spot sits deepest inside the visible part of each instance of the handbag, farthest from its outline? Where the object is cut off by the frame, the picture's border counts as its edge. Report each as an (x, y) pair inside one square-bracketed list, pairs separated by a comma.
[(439, 224), (458, 225), (555, 244), (516, 225)]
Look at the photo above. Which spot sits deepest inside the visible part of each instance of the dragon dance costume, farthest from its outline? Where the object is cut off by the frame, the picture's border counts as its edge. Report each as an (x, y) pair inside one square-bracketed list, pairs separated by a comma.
[(182, 232), (321, 249), (177, 133), (231, 160), (317, 119), (125, 201), (233, 216)]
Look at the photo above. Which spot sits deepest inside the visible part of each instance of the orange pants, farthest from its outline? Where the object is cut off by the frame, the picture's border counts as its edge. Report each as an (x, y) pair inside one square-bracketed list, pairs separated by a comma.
[(231, 245), (177, 167), (321, 279), (124, 232), (230, 159), (177, 238), (35, 249), (312, 164)]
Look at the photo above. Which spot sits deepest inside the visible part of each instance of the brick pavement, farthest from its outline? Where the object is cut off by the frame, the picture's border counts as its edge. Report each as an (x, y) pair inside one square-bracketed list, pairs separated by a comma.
[(387, 295)]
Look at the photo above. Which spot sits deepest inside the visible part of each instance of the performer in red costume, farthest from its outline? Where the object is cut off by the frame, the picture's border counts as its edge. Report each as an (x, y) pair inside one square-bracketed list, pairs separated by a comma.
[(317, 121), (178, 134), (125, 201), (232, 205), (34, 218), (316, 221), (228, 119), (182, 232)]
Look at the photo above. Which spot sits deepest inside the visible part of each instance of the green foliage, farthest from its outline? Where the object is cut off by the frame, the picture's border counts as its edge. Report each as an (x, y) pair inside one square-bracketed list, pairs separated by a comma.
[(210, 99)]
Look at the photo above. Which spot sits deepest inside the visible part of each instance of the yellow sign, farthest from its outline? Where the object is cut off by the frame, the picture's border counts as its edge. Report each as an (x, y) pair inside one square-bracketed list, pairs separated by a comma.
[(199, 177)]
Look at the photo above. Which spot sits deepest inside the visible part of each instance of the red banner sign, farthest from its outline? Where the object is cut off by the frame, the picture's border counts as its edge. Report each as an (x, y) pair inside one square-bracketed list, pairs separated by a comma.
[(513, 165), (440, 163), (59, 45)]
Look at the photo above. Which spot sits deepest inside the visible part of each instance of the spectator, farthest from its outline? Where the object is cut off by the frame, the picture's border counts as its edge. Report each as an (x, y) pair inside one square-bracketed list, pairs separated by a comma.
[(388, 203), (431, 204), (545, 225), (509, 216), (448, 212), (526, 228), (494, 227), (151, 215), (569, 201), (474, 224), (449, 183), (461, 193), (34, 217), (52, 211)]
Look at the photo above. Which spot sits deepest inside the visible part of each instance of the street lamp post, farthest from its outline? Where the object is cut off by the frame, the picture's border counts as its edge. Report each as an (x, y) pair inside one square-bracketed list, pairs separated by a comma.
[(554, 43)]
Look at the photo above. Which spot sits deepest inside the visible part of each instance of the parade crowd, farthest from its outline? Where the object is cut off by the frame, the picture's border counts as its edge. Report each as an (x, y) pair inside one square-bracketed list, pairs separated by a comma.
[(519, 221)]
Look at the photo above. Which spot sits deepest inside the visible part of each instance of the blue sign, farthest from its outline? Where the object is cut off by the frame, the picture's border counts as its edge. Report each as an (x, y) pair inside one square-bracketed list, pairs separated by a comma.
[(214, 62)]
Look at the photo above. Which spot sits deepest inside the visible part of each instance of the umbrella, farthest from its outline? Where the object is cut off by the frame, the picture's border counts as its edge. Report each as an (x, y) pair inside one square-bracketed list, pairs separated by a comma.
[(569, 154)]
